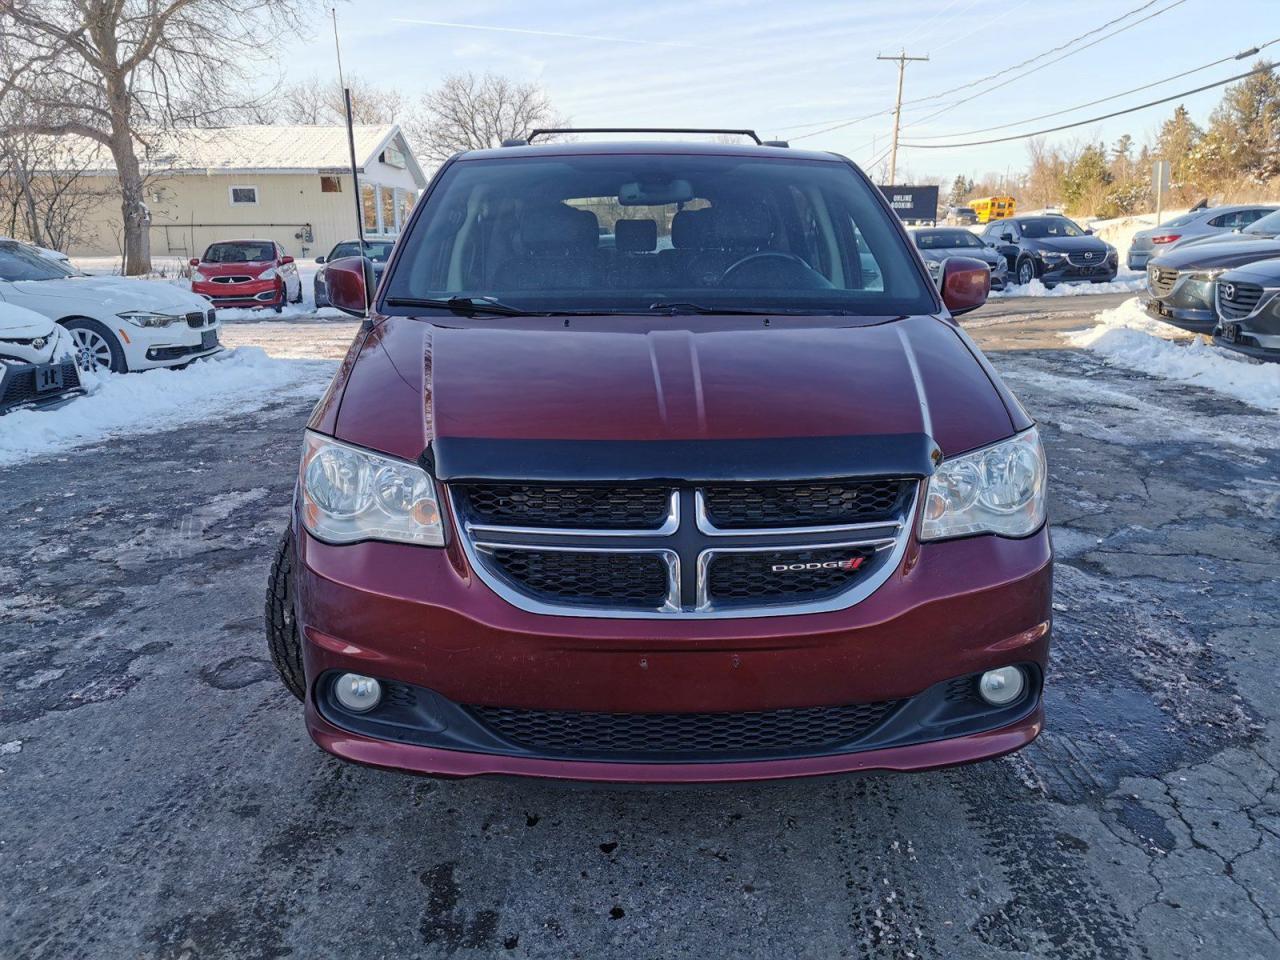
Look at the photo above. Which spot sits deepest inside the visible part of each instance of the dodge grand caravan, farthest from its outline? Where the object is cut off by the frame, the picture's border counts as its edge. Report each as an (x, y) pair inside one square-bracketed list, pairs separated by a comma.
[(638, 471)]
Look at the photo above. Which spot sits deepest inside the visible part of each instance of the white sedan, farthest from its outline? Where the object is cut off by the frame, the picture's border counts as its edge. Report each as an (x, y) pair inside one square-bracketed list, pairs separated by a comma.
[(117, 323), (37, 361)]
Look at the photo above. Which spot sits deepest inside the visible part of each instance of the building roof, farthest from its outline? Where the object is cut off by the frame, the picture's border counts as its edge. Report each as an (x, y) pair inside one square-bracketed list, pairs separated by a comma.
[(257, 148)]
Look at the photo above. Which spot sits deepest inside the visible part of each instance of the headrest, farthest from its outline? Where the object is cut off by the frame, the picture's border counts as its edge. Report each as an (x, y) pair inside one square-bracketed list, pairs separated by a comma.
[(742, 224), (635, 236), (559, 230), (691, 228)]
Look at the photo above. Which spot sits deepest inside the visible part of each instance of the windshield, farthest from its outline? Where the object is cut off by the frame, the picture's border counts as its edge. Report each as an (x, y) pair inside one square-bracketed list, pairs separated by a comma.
[(945, 239), (1268, 226), (250, 252), (22, 263), (620, 233), (376, 251), (1049, 227)]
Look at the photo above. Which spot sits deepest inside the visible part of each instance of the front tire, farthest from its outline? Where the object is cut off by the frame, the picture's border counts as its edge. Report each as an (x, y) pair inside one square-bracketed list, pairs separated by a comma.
[(281, 622), (97, 349), (1026, 272)]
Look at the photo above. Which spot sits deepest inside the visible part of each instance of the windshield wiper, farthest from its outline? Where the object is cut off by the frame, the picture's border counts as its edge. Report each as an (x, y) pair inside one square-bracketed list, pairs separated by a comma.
[(464, 305), (680, 306)]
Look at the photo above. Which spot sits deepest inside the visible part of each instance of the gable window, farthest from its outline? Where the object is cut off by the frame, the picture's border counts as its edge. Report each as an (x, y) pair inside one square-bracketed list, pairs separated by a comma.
[(330, 184), (244, 196)]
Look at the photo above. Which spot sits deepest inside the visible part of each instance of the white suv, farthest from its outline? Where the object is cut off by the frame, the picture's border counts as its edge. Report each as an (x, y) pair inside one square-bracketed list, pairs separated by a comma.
[(117, 323)]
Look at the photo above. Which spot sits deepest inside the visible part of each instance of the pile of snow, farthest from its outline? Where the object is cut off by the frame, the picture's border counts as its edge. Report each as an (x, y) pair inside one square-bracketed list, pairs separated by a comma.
[(1126, 282), (1127, 337), (237, 381)]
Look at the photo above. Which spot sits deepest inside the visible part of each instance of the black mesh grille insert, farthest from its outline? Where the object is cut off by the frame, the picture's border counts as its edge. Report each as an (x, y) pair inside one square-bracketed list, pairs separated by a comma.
[(811, 504), (664, 735), (581, 507), (785, 576), (628, 580), (20, 382), (1244, 298)]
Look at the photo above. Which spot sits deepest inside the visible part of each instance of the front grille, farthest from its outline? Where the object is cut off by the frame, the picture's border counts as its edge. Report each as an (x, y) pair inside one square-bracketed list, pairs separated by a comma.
[(195, 319), (785, 576), (1087, 259), (665, 736), (631, 581), (1161, 280), (232, 279), (19, 383), (771, 506), (569, 507), (1242, 302)]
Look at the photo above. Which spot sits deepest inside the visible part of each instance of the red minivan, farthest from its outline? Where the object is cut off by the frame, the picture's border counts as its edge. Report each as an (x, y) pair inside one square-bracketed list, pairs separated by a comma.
[(663, 462)]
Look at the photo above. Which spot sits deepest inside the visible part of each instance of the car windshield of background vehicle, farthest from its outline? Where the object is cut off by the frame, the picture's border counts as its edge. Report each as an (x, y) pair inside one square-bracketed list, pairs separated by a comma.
[(623, 233), (240, 253), (1046, 227), (1267, 226), (946, 239), (375, 251), (18, 263)]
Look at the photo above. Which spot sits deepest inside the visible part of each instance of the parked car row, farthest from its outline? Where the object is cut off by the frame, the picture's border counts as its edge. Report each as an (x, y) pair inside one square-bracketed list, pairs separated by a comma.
[(49, 311), (1201, 225)]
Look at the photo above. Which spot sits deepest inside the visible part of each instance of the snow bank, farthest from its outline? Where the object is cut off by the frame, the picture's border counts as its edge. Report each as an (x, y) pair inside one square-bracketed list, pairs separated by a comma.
[(1125, 282), (1127, 337), (237, 381)]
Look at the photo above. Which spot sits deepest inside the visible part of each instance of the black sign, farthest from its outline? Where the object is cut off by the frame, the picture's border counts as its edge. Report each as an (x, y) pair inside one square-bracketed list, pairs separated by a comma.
[(913, 204)]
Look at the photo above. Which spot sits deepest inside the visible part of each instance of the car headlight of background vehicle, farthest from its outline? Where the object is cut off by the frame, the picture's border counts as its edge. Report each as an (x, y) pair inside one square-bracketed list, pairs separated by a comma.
[(268, 274), (999, 489), (146, 318), (197, 276), (1052, 256), (351, 494)]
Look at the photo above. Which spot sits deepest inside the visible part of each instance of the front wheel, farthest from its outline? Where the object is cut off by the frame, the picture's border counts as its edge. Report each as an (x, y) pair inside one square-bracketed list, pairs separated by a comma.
[(96, 348), (281, 623), (1026, 272)]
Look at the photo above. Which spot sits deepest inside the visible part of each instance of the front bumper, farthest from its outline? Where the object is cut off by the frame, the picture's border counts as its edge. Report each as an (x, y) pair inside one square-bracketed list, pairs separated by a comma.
[(418, 617), (258, 293), (1184, 307), (174, 345), (19, 388), (1103, 272)]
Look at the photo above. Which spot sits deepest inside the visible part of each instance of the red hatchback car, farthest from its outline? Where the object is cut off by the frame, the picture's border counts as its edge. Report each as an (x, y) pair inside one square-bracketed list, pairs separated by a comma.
[(246, 273), (663, 462)]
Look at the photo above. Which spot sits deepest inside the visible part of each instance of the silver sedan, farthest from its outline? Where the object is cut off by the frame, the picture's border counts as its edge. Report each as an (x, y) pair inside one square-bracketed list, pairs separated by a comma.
[(1194, 225)]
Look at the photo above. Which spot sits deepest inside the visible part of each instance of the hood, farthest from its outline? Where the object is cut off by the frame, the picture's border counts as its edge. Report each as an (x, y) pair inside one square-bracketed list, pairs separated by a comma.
[(1225, 253), (985, 254), (1265, 273), (1067, 244), (116, 294), (19, 323), (656, 379), (248, 269)]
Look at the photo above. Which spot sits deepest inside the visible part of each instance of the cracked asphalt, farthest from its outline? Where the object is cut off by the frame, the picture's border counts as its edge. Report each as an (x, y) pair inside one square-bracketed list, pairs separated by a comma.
[(159, 798)]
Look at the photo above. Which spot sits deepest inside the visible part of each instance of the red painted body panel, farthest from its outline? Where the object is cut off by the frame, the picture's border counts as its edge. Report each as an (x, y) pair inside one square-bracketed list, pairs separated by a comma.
[(666, 378)]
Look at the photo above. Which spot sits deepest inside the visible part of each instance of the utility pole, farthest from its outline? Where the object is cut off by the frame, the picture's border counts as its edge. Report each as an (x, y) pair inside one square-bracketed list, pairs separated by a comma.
[(902, 59)]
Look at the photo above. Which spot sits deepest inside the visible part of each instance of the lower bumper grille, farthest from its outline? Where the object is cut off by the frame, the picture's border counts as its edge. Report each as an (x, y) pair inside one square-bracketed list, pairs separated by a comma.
[(650, 736), (18, 383)]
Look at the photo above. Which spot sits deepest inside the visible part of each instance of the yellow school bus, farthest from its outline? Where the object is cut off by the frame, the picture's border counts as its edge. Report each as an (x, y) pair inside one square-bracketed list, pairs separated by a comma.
[(993, 208)]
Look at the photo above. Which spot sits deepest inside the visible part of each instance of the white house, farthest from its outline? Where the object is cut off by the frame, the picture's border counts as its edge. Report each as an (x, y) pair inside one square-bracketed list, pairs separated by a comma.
[(286, 183)]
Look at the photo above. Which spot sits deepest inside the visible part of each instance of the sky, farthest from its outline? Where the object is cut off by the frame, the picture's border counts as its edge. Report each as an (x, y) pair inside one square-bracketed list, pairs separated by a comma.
[(792, 69)]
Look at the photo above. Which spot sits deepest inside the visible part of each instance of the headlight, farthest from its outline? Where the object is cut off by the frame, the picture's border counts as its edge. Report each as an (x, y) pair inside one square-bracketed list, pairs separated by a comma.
[(145, 318), (197, 276), (1051, 256), (999, 489), (351, 494), (1208, 276), (268, 274)]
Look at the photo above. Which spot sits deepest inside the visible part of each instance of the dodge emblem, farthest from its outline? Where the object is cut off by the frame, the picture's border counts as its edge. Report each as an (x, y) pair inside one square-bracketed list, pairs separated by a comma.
[(852, 563)]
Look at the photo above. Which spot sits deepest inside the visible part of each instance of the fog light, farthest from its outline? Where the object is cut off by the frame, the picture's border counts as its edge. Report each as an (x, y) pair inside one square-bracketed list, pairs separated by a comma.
[(1003, 686), (357, 693)]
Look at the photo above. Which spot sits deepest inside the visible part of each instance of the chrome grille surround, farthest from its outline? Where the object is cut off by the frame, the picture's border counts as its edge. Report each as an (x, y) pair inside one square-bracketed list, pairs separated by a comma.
[(688, 545), (1244, 301), (1161, 280)]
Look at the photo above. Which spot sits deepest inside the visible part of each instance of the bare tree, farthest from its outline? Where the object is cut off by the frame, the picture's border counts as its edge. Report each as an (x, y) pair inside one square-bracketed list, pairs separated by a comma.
[(316, 101), (45, 194), (467, 112), (115, 71)]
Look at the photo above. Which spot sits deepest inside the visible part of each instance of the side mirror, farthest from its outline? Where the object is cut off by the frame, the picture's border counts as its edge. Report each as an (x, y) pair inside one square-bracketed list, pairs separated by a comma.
[(1006, 237), (194, 261), (285, 259), (965, 284), (350, 284), (1088, 231), (319, 259)]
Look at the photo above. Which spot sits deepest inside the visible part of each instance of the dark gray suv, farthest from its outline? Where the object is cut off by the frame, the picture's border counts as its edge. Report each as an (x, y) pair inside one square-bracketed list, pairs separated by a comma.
[(1181, 281), (1053, 250)]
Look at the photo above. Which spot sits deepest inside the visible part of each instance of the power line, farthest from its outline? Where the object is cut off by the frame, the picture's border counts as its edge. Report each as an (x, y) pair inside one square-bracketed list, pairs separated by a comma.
[(1115, 96), (1005, 80), (841, 124), (1106, 116)]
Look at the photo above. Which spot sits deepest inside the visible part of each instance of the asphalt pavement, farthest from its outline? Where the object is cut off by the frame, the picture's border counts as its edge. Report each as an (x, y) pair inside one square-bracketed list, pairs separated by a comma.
[(159, 797)]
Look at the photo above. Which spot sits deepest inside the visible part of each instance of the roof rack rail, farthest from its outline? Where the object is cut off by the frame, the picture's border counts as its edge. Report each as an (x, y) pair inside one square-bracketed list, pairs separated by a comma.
[(776, 143), (558, 130)]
